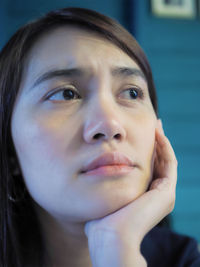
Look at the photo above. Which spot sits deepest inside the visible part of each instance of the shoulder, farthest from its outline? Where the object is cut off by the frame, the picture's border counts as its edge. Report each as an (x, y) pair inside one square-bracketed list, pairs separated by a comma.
[(163, 247)]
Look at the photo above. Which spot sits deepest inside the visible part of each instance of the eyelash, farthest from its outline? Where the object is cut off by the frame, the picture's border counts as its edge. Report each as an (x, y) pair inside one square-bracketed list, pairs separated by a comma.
[(62, 89), (139, 92)]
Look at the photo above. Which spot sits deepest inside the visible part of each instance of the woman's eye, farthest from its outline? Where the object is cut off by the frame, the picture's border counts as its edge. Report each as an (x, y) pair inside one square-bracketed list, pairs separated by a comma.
[(64, 94), (133, 93)]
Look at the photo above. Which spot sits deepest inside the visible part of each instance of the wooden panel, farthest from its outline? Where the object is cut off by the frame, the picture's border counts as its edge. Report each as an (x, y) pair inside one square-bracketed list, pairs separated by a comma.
[(17, 13), (173, 49), (188, 201), (188, 175), (181, 102), (186, 215), (174, 70), (183, 133)]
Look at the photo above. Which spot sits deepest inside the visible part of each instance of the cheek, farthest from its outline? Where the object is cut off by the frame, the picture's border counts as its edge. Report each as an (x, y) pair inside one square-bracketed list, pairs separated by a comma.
[(33, 139), (148, 137), (43, 135), (36, 145), (42, 151), (143, 139), (42, 147)]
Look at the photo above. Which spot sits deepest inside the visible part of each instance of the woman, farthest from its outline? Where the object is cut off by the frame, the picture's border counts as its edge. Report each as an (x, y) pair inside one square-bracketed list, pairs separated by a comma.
[(86, 169)]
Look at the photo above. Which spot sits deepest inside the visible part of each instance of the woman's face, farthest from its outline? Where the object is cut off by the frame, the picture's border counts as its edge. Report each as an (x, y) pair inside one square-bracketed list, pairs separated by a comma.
[(81, 97)]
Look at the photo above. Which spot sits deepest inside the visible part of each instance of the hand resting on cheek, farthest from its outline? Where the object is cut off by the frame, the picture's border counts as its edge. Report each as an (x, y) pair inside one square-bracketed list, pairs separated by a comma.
[(115, 240)]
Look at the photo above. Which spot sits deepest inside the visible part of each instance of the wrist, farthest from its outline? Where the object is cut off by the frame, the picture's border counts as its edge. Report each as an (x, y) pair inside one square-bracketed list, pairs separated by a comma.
[(112, 250), (132, 256)]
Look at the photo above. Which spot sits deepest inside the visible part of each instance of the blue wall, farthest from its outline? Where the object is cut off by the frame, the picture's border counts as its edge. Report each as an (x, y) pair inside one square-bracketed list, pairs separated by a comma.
[(173, 48)]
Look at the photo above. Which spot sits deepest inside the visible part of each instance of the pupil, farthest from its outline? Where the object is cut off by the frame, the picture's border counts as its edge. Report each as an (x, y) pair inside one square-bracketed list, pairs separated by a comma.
[(133, 93), (68, 94)]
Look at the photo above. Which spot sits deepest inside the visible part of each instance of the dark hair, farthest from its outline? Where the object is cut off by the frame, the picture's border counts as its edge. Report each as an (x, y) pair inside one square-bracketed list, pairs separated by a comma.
[(20, 236)]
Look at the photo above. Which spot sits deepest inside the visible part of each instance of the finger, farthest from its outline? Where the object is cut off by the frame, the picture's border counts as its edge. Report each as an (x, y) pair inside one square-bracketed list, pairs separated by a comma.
[(160, 125), (146, 211), (155, 204), (165, 161), (164, 145)]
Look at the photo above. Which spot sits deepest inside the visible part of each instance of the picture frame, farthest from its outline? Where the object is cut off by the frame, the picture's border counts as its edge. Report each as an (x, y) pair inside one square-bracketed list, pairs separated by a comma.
[(183, 9)]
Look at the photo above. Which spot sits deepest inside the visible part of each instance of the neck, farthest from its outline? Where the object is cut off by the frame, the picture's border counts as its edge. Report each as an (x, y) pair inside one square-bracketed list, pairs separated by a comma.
[(66, 244)]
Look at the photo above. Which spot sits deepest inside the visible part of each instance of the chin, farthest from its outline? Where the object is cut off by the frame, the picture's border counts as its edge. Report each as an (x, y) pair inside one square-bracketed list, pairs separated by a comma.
[(104, 209)]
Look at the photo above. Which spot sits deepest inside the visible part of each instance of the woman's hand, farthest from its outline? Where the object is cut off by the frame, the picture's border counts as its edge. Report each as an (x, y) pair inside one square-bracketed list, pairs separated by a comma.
[(115, 240)]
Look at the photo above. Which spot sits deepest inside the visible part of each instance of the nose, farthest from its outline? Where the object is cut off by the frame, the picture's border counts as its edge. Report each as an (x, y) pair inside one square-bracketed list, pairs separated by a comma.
[(103, 124)]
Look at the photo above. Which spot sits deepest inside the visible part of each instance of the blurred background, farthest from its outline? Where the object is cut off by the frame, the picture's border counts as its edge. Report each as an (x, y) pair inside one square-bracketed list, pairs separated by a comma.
[(169, 32)]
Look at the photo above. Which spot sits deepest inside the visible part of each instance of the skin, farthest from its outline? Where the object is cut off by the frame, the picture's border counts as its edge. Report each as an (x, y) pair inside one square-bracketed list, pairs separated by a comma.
[(54, 139)]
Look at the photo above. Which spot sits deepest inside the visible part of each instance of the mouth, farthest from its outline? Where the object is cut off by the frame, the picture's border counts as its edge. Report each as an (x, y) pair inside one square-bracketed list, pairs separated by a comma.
[(109, 164), (109, 170)]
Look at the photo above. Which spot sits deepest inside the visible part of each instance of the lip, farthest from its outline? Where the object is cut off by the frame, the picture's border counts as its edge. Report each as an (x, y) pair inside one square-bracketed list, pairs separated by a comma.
[(109, 163), (110, 171)]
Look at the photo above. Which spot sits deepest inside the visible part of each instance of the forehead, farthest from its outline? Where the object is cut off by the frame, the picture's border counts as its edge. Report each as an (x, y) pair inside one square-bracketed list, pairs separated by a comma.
[(70, 46)]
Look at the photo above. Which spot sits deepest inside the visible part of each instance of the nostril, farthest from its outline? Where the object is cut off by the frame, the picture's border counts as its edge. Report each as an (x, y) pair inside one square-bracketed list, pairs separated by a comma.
[(117, 136), (98, 135)]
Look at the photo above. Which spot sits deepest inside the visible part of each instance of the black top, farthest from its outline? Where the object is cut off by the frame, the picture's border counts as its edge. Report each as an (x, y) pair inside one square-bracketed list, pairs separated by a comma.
[(162, 247)]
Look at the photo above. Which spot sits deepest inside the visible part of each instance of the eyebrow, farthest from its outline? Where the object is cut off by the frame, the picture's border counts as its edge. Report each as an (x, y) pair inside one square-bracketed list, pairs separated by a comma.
[(126, 71), (74, 72), (80, 72)]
